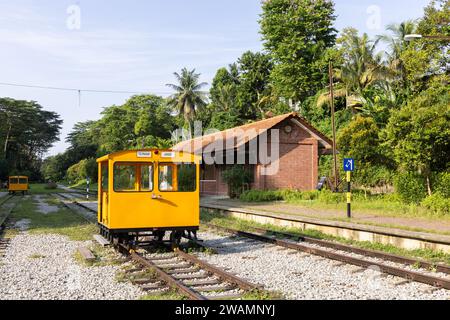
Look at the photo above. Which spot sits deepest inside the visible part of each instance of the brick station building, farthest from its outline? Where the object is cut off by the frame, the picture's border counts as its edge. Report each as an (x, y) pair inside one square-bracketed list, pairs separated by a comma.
[(300, 146)]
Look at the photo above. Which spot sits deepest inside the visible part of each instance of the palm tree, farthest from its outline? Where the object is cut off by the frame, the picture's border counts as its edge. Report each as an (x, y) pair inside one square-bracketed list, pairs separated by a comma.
[(226, 98), (397, 45), (188, 97), (363, 67)]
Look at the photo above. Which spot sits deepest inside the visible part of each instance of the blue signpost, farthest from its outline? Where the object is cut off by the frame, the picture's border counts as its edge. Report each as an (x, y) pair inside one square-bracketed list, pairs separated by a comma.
[(349, 167)]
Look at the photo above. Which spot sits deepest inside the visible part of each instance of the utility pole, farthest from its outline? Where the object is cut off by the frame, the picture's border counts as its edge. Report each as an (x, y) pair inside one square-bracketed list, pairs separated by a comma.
[(335, 170)]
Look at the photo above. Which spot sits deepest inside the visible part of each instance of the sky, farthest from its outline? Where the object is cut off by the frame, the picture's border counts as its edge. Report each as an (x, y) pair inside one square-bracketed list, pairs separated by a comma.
[(136, 45)]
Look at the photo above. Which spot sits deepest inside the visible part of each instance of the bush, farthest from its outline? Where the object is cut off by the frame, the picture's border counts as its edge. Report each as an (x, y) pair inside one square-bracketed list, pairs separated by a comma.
[(51, 186), (278, 195), (437, 203), (330, 197), (81, 170), (442, 184), (411, 187), (236, 177), (260, 196)]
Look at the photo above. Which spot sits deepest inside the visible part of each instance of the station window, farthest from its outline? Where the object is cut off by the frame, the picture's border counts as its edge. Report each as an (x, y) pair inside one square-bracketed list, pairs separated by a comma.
[(177, 177), (133, 177)]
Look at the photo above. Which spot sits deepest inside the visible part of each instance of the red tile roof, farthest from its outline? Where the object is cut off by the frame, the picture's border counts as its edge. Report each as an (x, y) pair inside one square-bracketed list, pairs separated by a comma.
[(236, 134)]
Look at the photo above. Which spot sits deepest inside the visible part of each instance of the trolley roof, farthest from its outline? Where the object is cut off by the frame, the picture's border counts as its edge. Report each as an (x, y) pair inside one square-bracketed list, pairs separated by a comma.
[(149, 155)]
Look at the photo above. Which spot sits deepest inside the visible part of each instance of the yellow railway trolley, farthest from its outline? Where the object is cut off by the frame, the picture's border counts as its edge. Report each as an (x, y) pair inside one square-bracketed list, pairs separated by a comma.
[(147, 193), (18, 184)]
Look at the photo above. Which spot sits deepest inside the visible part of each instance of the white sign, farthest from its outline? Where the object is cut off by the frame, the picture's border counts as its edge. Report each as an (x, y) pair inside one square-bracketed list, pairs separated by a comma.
[(168, 155), (144, 154)]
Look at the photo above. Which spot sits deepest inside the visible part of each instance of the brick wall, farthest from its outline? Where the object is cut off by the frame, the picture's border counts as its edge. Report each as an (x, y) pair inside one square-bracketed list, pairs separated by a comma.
[(298, 164)]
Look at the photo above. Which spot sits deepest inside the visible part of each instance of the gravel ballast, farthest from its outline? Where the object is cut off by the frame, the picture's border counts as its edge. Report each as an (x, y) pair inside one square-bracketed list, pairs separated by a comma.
[(302, 276), (43, 267)]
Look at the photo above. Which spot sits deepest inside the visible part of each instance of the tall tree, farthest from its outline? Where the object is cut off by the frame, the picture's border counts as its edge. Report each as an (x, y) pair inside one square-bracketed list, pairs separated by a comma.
[(362, 67), (396, 46), (425, 59), (255, 70), (297, 33), (143, 121), (27, 131), (188, 96)]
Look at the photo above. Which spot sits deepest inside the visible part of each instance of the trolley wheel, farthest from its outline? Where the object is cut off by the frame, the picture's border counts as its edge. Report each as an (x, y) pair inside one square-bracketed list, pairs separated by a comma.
[(160, 234), (175, 239)]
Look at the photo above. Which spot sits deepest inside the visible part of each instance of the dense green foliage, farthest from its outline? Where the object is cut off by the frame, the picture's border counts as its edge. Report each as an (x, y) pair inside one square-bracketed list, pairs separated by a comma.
[(411, 187), (144, 121), (418, 133), (86, 168), (297, 34), (27, 131)]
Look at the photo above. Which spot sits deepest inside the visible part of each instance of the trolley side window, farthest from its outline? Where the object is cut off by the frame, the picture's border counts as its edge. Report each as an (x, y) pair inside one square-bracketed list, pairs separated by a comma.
[(175, 177), (124, 177), (23, 181), (13, 181), (133, 177), (105, 177)]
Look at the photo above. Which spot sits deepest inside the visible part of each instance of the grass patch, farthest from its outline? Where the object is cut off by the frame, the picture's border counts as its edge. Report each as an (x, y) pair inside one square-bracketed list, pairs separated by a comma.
[(125, 276), (168, 295), (381, 204), (262, 295), (432, 256), (40, 188), (93, 187), (63, 222), (10, 233)]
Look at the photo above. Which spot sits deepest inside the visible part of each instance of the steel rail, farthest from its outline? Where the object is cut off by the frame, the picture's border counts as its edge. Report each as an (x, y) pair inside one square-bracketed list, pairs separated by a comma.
[(181, 288), (224, 276), (4, 217), (92, 220), (364, 252), (76, 202), (407, 274)]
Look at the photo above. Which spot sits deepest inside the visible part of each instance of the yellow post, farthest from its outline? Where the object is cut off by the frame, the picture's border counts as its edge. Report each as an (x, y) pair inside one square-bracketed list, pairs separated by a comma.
[(349, 195)]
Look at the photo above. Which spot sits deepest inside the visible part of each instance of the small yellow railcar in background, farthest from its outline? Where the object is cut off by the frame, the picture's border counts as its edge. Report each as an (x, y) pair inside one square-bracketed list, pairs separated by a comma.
[(18, 184), (148, 193)]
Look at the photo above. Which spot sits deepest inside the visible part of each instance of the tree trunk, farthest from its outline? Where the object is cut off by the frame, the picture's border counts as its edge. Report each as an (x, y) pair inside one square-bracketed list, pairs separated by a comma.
[(430, 192), (7, 139)]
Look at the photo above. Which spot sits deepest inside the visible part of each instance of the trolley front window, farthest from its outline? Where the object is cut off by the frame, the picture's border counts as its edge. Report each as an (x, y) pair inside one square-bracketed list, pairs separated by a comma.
[(174, 177), (133, 177)]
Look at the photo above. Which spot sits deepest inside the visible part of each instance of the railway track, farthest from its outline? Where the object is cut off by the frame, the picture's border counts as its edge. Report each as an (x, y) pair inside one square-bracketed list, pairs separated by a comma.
[(5, 213), (385, 263), (188, 275), (92, 217)]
